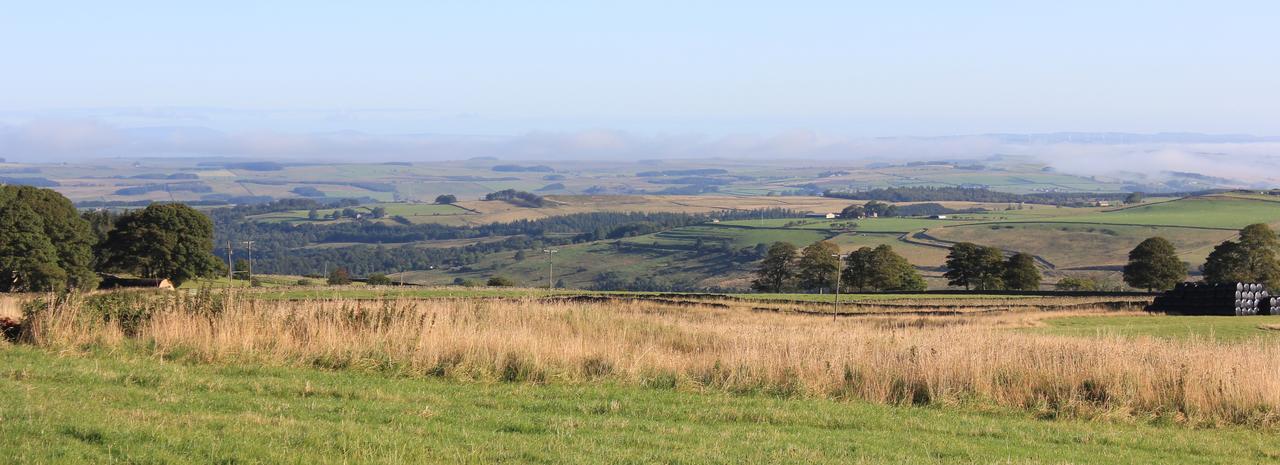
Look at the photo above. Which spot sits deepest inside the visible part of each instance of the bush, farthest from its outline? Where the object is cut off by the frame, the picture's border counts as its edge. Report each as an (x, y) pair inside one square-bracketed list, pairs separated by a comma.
[(339, 277), (303, 282), (378, 279), (1077, 283), (500, 281)]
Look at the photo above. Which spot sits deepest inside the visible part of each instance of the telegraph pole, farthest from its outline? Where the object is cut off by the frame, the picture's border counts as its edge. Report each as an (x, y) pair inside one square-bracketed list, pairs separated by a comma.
[(231, 267), (249, 246), (835, 304), (551, 267)]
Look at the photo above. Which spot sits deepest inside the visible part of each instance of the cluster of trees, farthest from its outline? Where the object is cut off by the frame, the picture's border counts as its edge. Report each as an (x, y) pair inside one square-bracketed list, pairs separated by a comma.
[(983, 268), (881, 209), (197, 187), (520, 198), (689, 172), (45, 244), (1252, 258), (872, 208), (819, 267), (279, 247)]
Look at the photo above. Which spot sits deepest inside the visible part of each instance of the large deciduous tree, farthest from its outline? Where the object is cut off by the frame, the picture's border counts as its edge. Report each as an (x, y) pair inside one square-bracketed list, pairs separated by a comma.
[(1154, 265), (858, 270), (892, 272), (44, 243), (975, 267), (776, 272), (819, 262), (1020, 273), (1251, 259), (880, 269), (168, 240)]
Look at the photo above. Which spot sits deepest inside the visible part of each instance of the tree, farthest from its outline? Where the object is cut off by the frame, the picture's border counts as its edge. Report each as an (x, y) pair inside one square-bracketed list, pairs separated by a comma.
[(892, 272), (378, 279), (313, 214), (1154, 265), (818, 264), (1251, 259), (858, 269), (28, 260), (880, 269), (446, 199), (974, 266), (500, 281), (880, 209), (378, 212), (168, 240), (33, 217), (100, 223), (853, 212), (775, 273), (519, 256), (339, 277), (1133, 198), (1020, 273)]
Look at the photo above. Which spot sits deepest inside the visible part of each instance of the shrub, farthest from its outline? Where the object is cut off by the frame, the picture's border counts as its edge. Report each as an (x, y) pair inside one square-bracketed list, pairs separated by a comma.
[(501, 281), (339, 277)]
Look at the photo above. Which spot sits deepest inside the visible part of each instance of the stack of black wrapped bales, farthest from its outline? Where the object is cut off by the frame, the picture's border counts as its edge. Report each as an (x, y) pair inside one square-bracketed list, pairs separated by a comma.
[(1217, 299)]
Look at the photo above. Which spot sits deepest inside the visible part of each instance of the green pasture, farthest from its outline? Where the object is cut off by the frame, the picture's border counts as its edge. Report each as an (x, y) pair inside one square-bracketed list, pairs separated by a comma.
[(1202, 212), (147, 409), (1219, 328)]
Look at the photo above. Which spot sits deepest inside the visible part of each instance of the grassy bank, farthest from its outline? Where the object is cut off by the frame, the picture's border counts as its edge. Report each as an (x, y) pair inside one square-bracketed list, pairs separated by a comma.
[(147, 410)]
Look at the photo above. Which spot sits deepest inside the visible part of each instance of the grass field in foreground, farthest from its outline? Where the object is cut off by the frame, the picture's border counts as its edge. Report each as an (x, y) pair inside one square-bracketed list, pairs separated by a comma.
[(1221, 328), (145, 410)]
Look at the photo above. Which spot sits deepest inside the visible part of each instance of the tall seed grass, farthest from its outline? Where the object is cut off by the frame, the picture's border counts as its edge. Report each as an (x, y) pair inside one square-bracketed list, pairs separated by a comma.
[(971, 361)]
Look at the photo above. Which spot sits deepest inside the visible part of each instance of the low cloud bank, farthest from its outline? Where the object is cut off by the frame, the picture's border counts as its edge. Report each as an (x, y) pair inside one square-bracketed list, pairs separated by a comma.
[(1252, 160)]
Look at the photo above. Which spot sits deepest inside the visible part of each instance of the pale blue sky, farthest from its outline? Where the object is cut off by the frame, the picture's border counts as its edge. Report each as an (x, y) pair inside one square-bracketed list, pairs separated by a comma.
[(471, 67)]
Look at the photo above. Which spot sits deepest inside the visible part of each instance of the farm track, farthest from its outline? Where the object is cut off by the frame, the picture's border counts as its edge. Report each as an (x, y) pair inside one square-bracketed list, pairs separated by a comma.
[(923, 238)]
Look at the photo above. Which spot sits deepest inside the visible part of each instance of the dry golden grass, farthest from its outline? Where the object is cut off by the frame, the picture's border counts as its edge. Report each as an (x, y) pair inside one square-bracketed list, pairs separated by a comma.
[(10, 307), (971, 360)]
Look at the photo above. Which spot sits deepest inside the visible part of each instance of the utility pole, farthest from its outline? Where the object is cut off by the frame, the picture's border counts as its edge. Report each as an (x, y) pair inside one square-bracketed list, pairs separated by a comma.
[(835, 303), (249, 246), (551, 268), (231, 267)]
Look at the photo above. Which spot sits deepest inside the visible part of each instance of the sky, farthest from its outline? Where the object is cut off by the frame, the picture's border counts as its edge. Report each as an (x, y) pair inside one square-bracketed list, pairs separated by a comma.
[(830, 69)]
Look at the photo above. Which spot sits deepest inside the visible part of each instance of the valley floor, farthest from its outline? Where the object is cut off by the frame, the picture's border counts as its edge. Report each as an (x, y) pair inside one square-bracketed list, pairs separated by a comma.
[(112, 406)]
